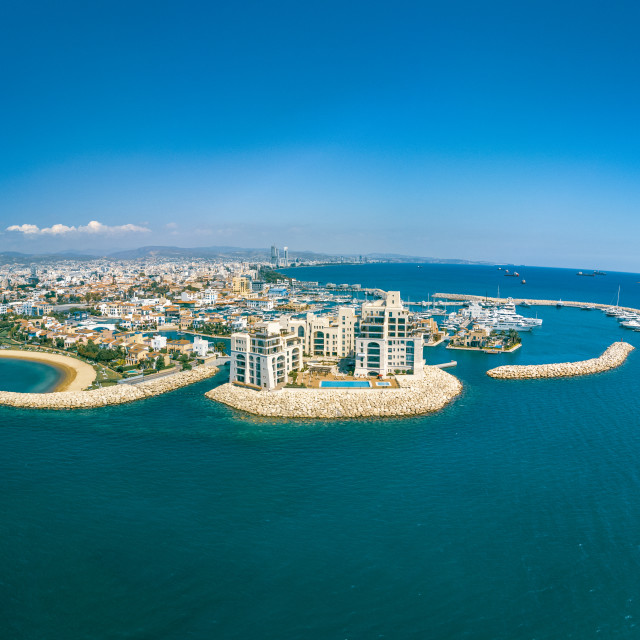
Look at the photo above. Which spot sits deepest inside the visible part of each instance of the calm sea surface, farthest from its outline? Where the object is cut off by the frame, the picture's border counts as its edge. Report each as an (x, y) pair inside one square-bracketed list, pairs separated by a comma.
[(28, 377), (514, 513)]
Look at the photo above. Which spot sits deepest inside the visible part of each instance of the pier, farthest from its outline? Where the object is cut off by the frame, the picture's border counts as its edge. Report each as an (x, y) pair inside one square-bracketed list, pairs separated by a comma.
[(533, 302)]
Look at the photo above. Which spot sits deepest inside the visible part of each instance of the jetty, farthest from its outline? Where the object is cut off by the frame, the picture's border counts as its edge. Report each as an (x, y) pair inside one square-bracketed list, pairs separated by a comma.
[(614, 356), (415, 395), (105, 396), (530, 301)]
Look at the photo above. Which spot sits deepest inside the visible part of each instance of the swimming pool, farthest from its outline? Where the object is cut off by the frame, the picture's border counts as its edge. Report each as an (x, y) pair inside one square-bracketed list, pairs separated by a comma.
[(345, 383), (383, 384)]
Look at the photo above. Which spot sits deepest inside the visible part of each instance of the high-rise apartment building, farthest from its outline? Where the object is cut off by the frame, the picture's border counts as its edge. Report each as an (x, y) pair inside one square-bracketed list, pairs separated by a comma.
[(388, 340), (265, 356)]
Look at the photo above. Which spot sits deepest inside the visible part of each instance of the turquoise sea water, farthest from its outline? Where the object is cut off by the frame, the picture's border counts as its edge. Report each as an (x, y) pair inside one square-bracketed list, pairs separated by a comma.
[(513, 513), (28, 377)]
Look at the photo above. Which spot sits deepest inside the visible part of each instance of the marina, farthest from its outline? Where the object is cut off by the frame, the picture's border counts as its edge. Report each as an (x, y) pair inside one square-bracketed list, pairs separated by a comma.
[(501, 456)]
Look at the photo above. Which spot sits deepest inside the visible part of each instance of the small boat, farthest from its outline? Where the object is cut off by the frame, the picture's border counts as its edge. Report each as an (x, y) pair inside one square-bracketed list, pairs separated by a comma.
[(524, 303), (559, 304), (586, 307), (523, 281)]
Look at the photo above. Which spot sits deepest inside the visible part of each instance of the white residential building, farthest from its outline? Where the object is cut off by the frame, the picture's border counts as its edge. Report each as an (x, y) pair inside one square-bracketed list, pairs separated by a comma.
[(264, 304), (158, 342), (239, 323), (329, 336), (265, 357), (200, 346), (388, 339), (209, 296)]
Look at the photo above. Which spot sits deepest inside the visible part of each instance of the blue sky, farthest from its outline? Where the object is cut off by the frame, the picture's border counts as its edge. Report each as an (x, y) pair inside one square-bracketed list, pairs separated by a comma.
[(493, 131)]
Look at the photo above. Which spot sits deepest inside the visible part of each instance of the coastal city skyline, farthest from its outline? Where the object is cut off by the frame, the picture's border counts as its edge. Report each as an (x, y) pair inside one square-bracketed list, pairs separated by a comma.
[(319, 320), (503, 134)]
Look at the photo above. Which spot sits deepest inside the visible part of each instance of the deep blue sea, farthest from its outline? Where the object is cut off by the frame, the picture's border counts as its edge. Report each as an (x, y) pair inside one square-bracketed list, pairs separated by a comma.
[(514, 513)]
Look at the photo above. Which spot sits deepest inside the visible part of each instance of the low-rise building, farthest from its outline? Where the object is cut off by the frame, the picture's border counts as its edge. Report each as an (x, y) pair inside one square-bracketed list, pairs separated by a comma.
[(158, 342), (200, 346), (264, 304)]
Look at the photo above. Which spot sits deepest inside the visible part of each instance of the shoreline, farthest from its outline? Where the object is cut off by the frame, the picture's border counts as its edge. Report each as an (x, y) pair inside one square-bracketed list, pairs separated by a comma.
[(415, 396), (118, 394), (76, 375)]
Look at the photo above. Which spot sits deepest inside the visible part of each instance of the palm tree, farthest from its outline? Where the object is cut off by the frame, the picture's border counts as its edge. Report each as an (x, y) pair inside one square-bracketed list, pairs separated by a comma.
[(513, 337)]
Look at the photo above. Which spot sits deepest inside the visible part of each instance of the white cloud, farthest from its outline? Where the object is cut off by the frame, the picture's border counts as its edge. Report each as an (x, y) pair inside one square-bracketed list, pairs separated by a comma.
[(92, 227), (57, 229), (27, 229)]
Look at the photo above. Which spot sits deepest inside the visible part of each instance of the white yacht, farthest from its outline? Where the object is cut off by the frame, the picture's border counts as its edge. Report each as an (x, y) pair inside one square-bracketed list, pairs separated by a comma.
[(500, 318)]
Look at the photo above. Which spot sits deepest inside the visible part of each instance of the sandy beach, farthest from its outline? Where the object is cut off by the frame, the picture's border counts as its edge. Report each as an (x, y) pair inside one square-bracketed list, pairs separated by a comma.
[(77, 375)]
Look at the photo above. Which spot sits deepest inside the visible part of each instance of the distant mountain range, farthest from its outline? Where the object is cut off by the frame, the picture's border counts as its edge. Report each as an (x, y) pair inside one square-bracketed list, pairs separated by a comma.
[(230, 253)]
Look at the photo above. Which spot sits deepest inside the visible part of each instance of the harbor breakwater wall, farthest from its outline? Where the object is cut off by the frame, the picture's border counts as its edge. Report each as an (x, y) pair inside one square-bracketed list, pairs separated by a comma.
[(464, 297), (106, 396), (613, 357), (416, 395)]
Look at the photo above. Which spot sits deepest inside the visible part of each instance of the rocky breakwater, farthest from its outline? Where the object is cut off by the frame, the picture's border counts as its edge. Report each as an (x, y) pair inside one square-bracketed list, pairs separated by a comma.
[(416, 395), (613, 357), (109, 395)]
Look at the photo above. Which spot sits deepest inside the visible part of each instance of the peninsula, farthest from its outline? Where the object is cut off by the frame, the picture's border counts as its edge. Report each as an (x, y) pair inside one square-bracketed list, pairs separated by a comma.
[(415, 395)]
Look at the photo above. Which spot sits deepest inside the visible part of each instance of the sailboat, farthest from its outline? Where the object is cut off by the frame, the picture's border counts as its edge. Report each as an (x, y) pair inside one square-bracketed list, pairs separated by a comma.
[(614, 311)]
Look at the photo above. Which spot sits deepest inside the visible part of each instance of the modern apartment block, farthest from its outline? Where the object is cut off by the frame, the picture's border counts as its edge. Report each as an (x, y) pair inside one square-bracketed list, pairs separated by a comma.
[(388, 340), (329, 336), (265, 356)]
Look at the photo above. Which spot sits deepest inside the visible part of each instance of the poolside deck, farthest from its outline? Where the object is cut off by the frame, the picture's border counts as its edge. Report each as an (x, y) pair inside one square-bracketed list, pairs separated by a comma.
[(312, 380)]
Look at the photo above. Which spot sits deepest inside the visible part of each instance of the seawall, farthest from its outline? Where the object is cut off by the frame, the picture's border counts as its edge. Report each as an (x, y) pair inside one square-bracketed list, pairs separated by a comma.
[(107, 396), (464, 297), (415, 396), (613, 357)]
